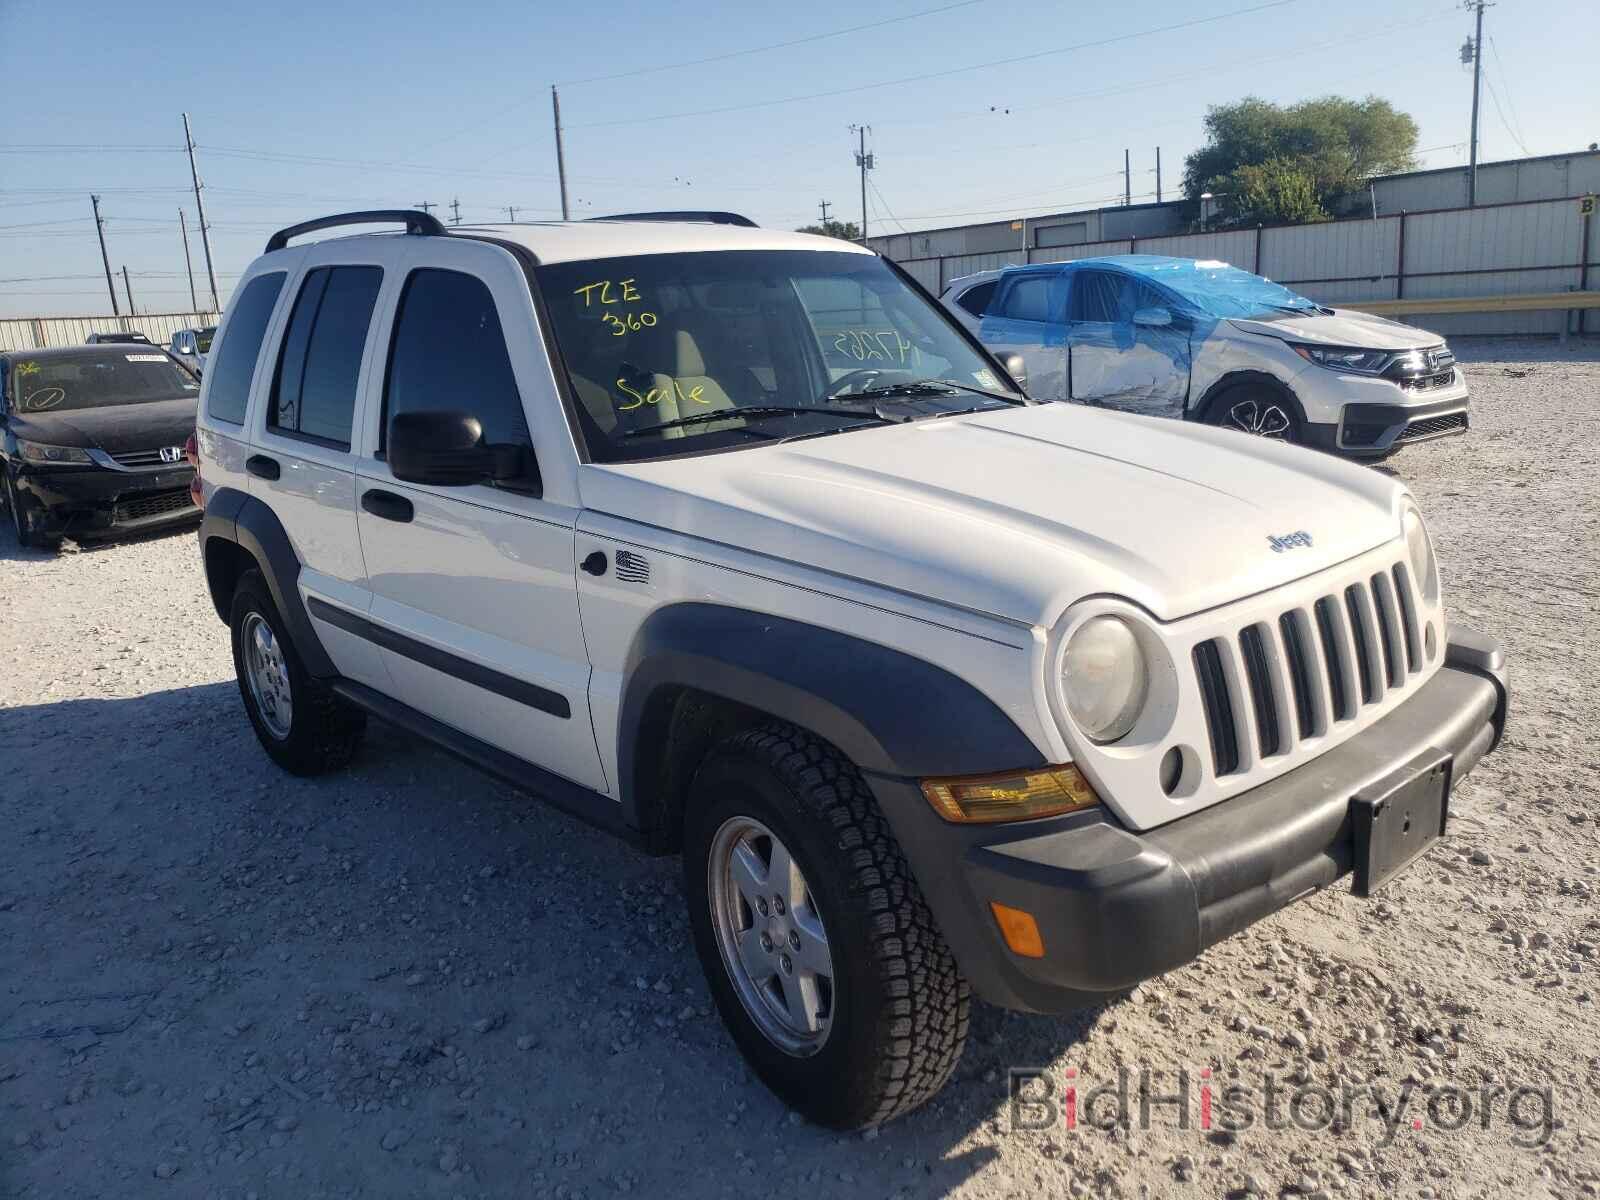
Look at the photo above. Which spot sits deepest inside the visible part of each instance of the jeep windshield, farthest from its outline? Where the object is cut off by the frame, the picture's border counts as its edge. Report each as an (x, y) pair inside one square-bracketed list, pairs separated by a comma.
[(96, 377), (673, 354)]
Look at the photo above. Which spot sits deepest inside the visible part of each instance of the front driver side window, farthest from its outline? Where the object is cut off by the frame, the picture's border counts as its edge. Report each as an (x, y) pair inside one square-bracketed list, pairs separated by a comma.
[(1027, 299), (449, 353)]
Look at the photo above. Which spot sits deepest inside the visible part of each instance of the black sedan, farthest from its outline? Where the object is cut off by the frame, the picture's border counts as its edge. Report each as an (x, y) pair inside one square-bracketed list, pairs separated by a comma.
[(92, 440)]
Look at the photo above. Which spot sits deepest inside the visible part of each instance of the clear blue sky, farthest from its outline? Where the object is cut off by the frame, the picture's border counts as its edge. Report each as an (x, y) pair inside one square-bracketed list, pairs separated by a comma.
[(302, 109)]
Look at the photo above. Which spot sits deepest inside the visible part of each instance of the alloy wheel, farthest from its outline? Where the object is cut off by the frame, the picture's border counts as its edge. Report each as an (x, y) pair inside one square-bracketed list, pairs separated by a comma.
[(1261, 418), (268, 676), (771, 935)]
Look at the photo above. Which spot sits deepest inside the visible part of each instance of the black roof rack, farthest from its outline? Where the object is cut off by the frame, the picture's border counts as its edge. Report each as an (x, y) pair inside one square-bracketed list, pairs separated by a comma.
[(704, 218), (414, 221)]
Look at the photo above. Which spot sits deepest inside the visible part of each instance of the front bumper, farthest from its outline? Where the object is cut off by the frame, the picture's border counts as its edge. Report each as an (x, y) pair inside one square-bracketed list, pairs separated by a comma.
[(1116, 907), (1384, 417), (90, 500)]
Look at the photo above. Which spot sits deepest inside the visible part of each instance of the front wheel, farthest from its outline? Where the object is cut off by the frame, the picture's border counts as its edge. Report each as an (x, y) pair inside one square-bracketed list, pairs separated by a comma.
[(22, 521), (817, 943), (1262, 411)]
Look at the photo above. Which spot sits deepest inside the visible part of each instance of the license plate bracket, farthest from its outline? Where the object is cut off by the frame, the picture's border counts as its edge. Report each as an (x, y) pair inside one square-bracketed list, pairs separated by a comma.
[(1394, 820)]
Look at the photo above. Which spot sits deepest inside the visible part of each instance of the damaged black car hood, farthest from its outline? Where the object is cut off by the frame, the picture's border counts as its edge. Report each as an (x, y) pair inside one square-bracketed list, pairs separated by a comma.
[(114, 428)]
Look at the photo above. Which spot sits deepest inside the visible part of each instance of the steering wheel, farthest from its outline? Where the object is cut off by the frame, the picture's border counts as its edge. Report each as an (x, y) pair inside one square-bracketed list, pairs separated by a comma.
[(857, 380)]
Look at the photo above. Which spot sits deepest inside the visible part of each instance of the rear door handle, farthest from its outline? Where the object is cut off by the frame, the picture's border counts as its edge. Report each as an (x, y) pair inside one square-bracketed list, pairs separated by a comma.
[(387, 505), (263, 467)]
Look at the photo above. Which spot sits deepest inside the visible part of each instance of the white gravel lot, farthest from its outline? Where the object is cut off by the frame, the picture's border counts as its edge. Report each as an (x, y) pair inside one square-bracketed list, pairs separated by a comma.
[(407, 980)]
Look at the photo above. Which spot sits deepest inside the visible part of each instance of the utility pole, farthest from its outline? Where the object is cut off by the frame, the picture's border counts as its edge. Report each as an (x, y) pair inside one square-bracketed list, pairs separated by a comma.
[(200, 207), (511, 213), (455, 211), (1158, 174), (1475, 50), (128, 289), (825, 207), (188, 264), (1127, 178), (427, 206), (864, 161), (561, 155), (105, 259)]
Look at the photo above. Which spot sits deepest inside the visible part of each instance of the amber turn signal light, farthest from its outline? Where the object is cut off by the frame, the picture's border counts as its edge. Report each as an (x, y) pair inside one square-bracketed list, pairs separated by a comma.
[(1010, 795), (1019, 929)]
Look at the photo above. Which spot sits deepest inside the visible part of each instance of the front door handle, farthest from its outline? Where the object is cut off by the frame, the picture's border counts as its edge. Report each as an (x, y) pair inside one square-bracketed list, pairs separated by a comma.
[(387, 505), (263, 467)]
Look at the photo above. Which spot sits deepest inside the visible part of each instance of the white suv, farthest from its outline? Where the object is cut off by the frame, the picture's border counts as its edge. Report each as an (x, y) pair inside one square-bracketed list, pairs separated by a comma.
[(1205, 341), (732, 542)]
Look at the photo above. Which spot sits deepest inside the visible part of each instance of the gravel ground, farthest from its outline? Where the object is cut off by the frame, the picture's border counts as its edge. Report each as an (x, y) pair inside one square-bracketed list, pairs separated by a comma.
[(407, 980)]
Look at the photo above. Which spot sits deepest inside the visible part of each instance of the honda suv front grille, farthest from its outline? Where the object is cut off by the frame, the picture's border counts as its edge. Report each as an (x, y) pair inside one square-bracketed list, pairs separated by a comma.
[(1279, 682)]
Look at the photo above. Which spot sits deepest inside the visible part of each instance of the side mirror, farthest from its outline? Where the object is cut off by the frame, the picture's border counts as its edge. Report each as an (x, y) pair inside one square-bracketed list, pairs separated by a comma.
[(1153, 318), (445, 448), (1017, 369)]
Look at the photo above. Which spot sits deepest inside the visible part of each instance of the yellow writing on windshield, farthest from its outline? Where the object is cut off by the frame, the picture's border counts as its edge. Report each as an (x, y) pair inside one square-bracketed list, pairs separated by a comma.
[(27, 368), (876, 345), (617, 291), (607, 291), (656, 395)]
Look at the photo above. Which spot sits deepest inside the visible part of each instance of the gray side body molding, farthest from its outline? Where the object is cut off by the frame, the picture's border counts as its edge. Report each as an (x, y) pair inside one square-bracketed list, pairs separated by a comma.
[(890, 713), (237, 517)]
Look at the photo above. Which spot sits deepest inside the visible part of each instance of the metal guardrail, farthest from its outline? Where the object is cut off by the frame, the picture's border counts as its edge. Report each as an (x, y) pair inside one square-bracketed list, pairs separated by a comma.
[(1529, 302)]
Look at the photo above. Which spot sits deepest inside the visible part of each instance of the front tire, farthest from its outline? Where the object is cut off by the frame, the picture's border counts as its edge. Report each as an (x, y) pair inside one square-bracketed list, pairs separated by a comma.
[(21, 523), (817, 943), (306, 728), (1259, 410)]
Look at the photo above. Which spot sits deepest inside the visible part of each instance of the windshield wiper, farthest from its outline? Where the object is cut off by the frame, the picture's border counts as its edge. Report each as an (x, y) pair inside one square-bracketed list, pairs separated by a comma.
[(757, 410), (918, 388)]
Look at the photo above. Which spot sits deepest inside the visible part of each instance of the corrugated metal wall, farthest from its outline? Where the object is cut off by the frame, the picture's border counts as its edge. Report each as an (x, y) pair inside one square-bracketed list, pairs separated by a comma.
[(38, 333), (1506, 249)]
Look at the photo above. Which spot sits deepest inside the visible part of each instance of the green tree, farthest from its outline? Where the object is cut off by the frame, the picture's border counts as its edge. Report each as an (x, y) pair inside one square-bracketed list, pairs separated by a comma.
[(1279, 191), (848, 230), (1334, 144)]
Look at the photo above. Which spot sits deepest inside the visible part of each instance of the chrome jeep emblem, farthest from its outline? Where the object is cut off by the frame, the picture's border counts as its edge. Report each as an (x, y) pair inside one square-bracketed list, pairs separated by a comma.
[(1288, 541), (171, 454)]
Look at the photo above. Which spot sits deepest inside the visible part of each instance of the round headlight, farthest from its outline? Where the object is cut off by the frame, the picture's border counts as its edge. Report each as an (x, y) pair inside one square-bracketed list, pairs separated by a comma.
[(1420, 550), (1104, 678)]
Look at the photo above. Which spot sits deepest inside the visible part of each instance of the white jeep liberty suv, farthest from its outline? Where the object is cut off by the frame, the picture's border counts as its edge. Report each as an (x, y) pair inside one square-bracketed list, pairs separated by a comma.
[(731, 541)]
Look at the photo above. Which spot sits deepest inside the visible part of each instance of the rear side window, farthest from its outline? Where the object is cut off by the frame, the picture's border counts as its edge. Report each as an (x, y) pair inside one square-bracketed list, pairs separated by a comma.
[(314, 392), (976, 299), (1028, 299), (449, 352), (228, 375)]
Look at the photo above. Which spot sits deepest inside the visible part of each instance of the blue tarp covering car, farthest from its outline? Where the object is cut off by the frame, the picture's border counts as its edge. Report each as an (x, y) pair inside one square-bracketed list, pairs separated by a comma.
[(1133, 322)]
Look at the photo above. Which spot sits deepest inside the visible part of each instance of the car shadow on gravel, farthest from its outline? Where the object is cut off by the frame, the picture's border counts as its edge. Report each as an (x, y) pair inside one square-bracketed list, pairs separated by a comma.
[(11, 549), (523, 984)]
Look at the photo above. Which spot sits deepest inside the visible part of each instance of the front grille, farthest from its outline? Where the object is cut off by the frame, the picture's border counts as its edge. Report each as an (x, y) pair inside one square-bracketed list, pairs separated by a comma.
[(1428, 427), (1282, 680), (145, 458), (156, 505), (1423, 383)]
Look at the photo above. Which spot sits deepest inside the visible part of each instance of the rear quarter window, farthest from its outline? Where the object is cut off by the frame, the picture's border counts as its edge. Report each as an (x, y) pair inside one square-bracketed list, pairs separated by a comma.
[(234, 364)]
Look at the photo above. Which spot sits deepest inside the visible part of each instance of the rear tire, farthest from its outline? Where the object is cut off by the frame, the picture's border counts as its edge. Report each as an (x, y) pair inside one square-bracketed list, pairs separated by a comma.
[(304, 726), (1260, 410), (892, 1018)]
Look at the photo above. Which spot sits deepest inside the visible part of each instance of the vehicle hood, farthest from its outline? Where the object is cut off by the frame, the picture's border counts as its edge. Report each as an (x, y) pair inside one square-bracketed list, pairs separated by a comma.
[(115, 428), (1342, 327), (1019, 512)]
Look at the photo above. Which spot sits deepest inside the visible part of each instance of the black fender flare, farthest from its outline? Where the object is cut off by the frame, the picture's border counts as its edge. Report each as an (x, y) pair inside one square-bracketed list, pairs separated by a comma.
[(1201, 410), (889, 712), (246, 522)]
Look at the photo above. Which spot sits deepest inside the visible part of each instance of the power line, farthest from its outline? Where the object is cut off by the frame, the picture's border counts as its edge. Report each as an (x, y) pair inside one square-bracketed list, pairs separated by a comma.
[(999, 62), (800, 41), (1500, 69)]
